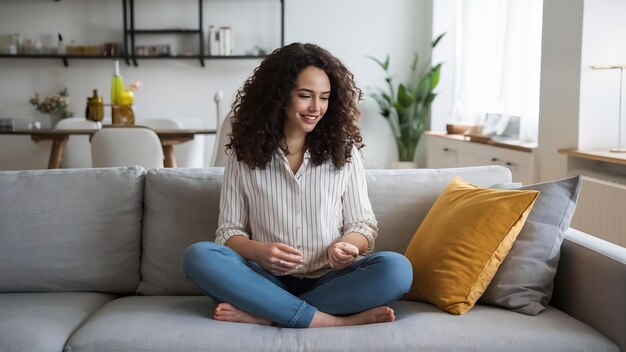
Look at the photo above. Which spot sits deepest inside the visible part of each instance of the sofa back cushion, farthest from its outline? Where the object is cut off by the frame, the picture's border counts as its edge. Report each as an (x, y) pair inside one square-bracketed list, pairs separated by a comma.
[(181, 207), (402, 198), (70, 230)]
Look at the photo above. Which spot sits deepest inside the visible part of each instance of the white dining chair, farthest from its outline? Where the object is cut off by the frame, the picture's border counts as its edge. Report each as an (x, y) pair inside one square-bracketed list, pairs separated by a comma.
[(159, 123), (77, 150), (224, 128), (187, 154), (125, 146), (220, 157)]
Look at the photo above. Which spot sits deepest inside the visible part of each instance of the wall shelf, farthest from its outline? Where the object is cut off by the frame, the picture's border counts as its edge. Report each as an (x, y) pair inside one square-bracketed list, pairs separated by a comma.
[(63, 58), (165, 31), (130, 32), (66, 58)]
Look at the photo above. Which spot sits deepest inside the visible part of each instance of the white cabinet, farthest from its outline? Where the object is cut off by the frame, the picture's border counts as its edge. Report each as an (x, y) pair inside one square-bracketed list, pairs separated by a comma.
[(445, 151)]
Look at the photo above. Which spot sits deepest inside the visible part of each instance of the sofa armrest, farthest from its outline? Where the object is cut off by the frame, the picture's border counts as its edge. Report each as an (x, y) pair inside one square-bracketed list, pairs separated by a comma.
[(590, 284)]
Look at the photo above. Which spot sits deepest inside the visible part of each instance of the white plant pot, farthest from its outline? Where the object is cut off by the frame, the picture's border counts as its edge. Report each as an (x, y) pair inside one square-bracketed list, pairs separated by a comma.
[(404, 165)]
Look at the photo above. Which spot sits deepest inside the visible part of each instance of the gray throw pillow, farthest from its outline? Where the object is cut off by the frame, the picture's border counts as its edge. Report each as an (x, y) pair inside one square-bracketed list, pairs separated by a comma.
[(524, 281)]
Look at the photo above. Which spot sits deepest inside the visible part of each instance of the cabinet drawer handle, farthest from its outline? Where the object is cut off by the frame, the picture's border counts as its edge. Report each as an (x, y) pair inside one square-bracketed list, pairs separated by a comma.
[(508, 163), (494, 159)]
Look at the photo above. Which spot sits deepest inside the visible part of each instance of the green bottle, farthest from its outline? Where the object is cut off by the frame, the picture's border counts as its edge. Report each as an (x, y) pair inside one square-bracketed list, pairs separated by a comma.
[(117, 85)]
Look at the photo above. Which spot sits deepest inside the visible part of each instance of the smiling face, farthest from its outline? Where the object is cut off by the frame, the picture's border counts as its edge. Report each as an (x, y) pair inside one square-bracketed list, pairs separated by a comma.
[(308, 102)]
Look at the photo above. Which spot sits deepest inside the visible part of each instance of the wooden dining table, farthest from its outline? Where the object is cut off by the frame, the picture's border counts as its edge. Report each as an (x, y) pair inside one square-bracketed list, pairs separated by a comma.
[(59, 137)]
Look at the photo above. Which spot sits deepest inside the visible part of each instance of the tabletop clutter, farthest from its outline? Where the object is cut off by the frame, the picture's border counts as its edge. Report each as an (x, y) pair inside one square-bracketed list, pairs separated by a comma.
[(122, 99)]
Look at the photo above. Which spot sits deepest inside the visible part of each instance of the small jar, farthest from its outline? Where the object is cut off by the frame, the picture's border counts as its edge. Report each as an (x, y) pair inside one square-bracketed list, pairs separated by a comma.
[(95, 107)]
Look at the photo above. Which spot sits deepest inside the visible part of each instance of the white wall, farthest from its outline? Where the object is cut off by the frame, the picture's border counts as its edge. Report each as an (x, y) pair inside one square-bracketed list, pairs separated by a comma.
[(444, 21), (183, 90), (560, 85), (604, 30), (352, 29)]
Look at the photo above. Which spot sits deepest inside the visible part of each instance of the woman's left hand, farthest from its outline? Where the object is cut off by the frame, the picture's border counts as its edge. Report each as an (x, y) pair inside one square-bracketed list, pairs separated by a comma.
[(342, 254)]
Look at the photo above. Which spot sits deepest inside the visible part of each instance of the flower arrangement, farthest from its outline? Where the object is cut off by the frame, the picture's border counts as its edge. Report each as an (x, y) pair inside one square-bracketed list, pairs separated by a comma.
[(135, 86), (55, 104)]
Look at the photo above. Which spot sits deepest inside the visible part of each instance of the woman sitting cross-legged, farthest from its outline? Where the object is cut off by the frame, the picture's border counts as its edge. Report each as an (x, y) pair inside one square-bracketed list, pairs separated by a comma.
[(295, 218)]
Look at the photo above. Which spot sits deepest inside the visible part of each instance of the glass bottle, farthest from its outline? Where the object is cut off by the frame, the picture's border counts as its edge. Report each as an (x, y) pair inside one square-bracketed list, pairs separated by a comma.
[(117, 85)]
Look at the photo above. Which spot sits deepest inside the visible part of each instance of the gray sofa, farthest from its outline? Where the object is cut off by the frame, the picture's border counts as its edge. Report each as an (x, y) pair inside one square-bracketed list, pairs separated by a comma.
[(90, 260)]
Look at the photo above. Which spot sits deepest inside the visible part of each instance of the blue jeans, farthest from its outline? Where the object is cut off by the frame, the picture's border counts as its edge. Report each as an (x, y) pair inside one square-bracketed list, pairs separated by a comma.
[(224, 275)]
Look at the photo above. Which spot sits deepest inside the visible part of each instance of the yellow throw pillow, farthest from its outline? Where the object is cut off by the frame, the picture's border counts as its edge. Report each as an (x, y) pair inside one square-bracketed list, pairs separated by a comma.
[(464, 238)]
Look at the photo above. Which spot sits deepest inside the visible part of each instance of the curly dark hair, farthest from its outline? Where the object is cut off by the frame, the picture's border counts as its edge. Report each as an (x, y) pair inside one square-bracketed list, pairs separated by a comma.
[(258, 110)]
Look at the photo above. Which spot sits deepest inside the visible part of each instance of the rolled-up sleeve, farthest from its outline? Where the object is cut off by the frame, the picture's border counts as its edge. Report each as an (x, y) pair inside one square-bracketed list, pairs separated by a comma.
[(358, 215), (233, 218)]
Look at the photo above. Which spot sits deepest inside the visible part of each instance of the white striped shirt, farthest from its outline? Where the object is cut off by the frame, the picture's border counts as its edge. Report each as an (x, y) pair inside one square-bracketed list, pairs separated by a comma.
[(307, 211)]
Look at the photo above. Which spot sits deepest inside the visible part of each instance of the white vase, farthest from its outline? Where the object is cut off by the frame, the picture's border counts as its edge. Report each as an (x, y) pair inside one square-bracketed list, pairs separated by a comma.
[(54, 119), (404, 165)]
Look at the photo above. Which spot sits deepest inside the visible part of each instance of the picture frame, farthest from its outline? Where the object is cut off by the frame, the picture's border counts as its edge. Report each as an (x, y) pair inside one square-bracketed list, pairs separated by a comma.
[(501, 126)]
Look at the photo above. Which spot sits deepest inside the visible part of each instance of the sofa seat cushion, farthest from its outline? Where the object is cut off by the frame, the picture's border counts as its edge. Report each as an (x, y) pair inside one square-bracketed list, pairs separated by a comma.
[(44, 321), (183, 323)]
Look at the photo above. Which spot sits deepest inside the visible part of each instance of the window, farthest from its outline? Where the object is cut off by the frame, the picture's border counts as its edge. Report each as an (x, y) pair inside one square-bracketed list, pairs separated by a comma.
[(492, 60)]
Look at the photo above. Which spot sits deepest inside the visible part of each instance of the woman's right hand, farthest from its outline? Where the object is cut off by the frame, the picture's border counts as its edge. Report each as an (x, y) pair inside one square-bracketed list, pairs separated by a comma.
[(278, 258)]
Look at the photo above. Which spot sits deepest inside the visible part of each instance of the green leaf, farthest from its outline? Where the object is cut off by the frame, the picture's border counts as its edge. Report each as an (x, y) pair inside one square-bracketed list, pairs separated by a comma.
[(436, 41), (386, 97), (404, 99), (381, 95), (383, 106), (429, 99), (384, 65), (423, 87), (435, 72), (414, 64), (401, 111), (379, 99)]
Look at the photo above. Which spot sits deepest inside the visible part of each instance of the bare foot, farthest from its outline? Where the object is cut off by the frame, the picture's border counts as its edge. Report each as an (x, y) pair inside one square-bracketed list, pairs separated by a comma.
[(371, 316), (228, 312)]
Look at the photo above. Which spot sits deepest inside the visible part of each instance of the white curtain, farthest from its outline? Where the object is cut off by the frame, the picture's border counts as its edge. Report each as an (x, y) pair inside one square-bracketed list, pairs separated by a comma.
[(495, 54)]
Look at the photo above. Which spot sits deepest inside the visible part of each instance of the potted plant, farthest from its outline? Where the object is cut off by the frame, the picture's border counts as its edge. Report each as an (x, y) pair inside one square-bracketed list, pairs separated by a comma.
[(406, 107)]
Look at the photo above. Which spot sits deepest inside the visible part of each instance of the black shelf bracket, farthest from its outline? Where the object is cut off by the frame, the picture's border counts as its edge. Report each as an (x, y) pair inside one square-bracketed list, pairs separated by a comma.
[(125, 12), (282, 23), (201, 34), (132, 32)]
